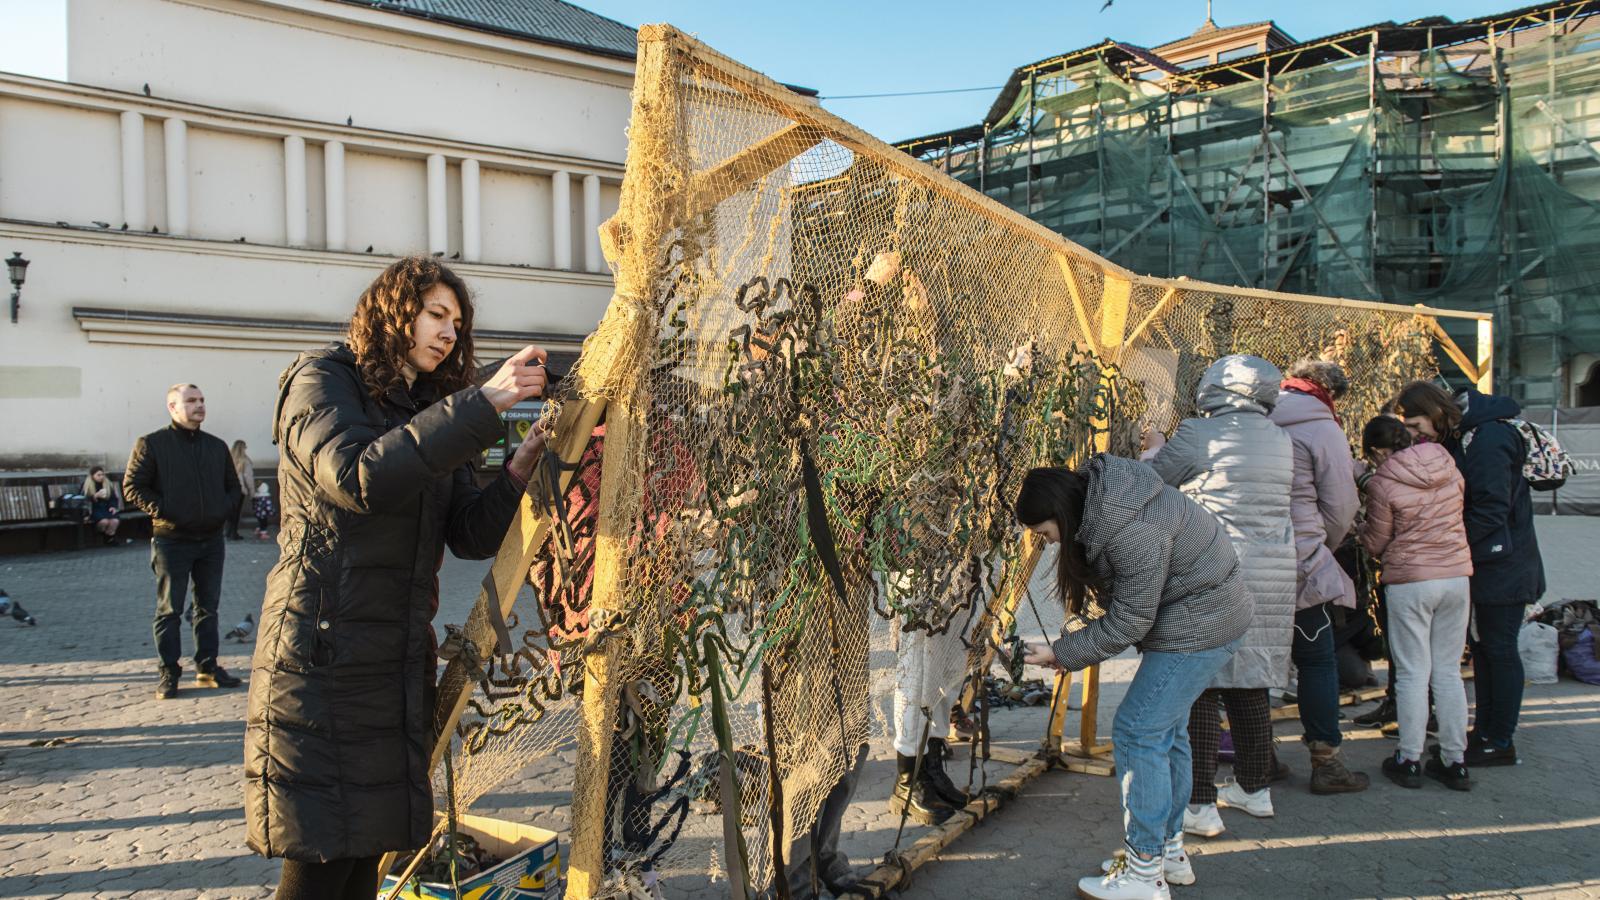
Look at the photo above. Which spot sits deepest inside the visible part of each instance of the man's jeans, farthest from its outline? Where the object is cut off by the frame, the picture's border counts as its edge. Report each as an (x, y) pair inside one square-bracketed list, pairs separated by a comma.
[(175, 563), (1150, 742), (829, 823), (1497, 670), (1318, 687)]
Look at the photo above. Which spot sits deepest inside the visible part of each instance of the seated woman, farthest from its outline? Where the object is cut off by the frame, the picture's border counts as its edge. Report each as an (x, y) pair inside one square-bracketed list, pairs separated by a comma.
[(105, 502), (375, 437), (1168, 578)]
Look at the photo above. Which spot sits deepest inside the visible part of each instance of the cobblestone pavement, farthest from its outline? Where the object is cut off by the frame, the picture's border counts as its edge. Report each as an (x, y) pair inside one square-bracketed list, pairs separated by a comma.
[(105, 792)]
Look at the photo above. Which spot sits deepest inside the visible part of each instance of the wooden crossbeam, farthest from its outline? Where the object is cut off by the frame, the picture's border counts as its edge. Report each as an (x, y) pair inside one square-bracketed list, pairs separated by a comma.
[(784, 102), (522, 543), (1451, 348), (1079, 307), (1114, 302), (1155, 312), (738, 172), (926, 848)]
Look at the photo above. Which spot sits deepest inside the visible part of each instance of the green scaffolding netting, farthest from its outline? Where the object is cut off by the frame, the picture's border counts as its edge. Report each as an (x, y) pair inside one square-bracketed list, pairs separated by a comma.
[(1464, 177)]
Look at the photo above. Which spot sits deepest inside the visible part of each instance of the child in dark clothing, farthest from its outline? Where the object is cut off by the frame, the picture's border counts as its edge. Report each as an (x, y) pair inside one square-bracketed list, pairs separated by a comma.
[(266, 511)]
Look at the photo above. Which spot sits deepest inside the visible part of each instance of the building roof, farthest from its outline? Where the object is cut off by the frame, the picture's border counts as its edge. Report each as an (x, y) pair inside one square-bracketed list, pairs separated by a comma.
[(1210, 30), (546, 21), (1415, 34), (1113, 52)]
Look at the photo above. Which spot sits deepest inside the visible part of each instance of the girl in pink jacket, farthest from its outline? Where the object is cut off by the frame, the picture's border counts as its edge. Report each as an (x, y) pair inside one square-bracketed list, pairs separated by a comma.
[(1414, 527)]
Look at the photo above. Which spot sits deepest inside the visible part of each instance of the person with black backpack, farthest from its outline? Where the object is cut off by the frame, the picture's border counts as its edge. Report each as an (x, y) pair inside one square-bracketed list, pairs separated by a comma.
[(1482, 433)]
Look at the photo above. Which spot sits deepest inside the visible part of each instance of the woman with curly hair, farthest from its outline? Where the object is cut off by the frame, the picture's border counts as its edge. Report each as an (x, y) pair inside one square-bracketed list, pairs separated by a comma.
[(375, 436)]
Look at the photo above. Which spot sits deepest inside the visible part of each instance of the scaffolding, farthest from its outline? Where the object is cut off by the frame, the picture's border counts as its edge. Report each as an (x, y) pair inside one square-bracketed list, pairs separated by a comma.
[(1452, 164)]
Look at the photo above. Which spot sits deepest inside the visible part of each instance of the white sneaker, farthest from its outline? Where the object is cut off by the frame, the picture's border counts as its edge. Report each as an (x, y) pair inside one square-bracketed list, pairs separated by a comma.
[(1123, 882), (1175, 865), (1203, 821), (1231, 795)]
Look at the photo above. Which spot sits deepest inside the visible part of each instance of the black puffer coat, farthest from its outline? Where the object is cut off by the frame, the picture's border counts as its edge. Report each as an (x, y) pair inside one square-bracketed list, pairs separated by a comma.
[(1507, 569), (339, 727)]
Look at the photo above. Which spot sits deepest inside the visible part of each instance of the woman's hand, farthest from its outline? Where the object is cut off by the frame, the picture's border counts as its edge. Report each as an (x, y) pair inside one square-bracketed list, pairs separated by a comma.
[(527, 455), (1152, 440), (522, 376), (1039, 655)]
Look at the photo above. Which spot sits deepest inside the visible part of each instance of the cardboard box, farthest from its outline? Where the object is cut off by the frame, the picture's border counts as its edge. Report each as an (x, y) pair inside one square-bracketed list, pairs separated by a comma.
[(531, 870)]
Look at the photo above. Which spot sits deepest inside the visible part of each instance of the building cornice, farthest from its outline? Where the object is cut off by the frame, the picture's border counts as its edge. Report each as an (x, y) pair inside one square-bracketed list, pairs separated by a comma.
[(214, 332), (419, 30), (72, 234), (356, 138)]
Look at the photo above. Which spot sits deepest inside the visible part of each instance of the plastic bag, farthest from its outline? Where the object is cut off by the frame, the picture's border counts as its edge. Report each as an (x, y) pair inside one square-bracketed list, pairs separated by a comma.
[(1537, 645), (1580, 657)]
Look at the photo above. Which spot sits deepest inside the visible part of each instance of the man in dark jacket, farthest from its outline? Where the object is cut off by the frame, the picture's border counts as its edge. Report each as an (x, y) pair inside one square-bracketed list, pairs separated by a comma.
[(1508, 573), (185, 480)]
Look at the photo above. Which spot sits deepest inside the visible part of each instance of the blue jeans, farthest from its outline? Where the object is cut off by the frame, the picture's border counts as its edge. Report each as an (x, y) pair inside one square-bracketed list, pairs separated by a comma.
[(1150, 738), (1318, 667), (1497, 670)]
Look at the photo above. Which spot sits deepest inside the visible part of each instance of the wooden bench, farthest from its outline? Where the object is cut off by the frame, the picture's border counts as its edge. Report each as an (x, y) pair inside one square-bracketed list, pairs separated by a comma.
[(30, 518)]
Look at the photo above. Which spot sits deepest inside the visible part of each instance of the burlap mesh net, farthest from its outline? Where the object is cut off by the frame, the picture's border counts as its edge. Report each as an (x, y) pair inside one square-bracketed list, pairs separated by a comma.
[(826, 368)]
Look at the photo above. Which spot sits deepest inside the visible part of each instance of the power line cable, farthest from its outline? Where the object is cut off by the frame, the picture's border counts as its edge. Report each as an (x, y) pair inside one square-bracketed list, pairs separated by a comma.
[(914, 93)]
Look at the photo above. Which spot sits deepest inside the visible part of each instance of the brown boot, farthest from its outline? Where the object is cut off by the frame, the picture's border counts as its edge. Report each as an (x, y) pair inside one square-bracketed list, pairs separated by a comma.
[(1328, 773)]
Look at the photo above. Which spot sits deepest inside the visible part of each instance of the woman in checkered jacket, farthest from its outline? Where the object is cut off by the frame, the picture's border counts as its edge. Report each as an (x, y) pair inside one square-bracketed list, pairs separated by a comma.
[(1164, 572)]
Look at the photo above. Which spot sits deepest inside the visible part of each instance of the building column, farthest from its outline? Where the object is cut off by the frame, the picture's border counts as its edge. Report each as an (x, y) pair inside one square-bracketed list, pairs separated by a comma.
[(175, 133), (438, 230), (294, 190), (561, 220), (591, 224), (471, 215), (134, 212), (333, 193)]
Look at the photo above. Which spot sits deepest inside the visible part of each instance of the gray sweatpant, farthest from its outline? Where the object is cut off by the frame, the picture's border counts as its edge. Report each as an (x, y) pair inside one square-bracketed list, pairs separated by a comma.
[(1427, 630)]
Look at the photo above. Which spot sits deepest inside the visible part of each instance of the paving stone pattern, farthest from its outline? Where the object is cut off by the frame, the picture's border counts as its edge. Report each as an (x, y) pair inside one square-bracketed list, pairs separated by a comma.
[(106, 792)]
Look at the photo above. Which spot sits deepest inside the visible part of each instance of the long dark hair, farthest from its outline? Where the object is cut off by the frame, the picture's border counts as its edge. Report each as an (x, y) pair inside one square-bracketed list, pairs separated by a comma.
[(1384, 433), (1059, 494), (380, 329)]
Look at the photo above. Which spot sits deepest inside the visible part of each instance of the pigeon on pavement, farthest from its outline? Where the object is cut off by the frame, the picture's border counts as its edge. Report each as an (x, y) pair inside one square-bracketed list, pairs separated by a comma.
[(242, 631), (8, 605)]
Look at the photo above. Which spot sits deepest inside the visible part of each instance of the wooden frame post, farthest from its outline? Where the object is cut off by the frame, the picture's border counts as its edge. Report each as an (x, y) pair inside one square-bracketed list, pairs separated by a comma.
[(656, 156), (1486, 355), (1115, 301)]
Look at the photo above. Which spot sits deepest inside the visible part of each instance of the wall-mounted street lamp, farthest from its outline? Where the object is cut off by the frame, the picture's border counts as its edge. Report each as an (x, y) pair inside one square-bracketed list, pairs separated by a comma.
[(19, 273)]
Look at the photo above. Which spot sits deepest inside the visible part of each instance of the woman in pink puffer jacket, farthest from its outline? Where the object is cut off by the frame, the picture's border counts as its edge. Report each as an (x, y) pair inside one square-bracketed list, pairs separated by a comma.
[(1414, 526)]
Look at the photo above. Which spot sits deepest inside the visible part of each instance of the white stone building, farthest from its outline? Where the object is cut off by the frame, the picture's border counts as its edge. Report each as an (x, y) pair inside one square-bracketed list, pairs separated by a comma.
[(218, 179)]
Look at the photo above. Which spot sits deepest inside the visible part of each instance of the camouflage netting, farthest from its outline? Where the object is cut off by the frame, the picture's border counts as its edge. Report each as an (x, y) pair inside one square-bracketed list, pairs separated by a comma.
[(826, 368)]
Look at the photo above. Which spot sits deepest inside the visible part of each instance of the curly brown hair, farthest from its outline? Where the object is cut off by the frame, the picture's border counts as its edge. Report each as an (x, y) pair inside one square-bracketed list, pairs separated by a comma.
[(380, 329)]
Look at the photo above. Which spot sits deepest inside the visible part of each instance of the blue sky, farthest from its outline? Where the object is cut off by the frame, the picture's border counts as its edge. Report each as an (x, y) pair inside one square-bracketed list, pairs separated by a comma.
[(878, 46)]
